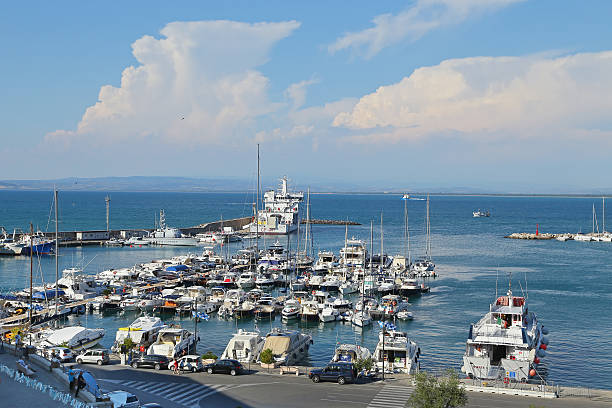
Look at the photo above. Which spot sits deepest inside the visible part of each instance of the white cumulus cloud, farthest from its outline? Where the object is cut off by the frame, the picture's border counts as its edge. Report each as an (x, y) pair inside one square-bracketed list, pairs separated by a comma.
[(412, 23), (197, 83), (494, 97)]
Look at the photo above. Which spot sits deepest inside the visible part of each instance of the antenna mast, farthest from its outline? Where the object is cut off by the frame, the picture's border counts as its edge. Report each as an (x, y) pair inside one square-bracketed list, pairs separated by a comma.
[(107, 200)]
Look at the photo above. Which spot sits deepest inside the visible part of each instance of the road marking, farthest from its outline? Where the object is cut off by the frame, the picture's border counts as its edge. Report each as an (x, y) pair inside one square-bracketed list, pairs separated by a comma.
[(344, 401), (174, 394), (391, 395), (195, 398)]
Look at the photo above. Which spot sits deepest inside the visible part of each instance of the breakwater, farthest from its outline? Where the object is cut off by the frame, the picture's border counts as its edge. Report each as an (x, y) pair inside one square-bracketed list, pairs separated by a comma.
[(330, 222)]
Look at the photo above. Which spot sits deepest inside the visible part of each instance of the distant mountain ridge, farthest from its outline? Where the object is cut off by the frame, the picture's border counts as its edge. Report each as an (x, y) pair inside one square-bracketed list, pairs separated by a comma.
[(194, 184)]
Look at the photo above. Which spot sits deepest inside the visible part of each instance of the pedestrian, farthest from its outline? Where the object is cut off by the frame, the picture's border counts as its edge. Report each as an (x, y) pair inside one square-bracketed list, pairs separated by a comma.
[(80, 384), (176, 370), (71, 379)]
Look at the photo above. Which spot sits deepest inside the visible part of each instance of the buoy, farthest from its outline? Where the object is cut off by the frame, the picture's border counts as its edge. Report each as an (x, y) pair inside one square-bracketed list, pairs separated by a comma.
[(532, 373), (544, 330), (540, 353), (544, 340), (543, 346)]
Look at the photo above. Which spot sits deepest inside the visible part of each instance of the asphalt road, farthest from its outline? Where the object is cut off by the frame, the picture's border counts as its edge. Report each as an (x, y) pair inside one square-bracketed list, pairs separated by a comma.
[(194, 390)]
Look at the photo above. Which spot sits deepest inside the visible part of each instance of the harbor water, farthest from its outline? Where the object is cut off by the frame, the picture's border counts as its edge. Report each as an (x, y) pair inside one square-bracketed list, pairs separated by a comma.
[(569, 284)]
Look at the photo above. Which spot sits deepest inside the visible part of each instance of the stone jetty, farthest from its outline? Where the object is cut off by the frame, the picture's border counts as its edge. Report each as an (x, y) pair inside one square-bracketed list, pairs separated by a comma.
[(330, 222)]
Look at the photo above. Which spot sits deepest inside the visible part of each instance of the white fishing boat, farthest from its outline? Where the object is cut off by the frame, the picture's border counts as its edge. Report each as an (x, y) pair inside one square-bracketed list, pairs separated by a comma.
[(480, 213), (143, 331), (399, 353), (349, 287), (507, 342), (329, 313), (288, 346), (244, 346), (171, 342)]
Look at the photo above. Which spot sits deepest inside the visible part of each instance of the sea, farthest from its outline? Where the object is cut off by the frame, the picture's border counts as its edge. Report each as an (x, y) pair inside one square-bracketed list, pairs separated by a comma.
[(568, 284)]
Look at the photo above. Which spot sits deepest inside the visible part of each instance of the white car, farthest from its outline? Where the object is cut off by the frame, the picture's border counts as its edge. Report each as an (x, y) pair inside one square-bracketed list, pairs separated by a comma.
[(61, 353), (96, 356), (191, 363), (123, 399)]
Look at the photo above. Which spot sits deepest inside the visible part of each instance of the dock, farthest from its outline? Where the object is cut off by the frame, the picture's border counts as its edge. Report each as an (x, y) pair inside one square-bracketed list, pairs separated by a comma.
[(329, 222)]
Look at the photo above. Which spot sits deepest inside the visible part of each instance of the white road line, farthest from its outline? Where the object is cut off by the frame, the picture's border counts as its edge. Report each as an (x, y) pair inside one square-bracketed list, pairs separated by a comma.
[(171, 390), (156, 387), (173, 395), (193, 393), (221, 389)]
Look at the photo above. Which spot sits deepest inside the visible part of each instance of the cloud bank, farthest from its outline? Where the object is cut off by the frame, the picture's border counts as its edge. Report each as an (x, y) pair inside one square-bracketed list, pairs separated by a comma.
[(488, 98), (197, 83), (412, 23)]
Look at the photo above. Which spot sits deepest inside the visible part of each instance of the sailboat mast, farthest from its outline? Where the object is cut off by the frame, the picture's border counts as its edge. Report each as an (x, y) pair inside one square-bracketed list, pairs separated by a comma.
[(56, 250), (381, 242), (603, 214), (257, 209), (31, 270), (428, 231), (307, 223)]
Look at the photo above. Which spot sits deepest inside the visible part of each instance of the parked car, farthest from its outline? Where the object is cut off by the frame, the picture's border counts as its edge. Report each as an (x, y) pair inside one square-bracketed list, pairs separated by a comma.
[(150, 360), (61, 353), (97, 356), (231, 367), (191, 363), (339, 372), (123, 399)]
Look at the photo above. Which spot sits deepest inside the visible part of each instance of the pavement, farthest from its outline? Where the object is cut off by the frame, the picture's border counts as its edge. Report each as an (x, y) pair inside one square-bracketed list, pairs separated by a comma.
[(261, 389), (16, 395)]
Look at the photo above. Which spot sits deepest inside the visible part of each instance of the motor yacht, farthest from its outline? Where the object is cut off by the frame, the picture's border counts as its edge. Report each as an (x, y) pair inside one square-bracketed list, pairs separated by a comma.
[(244, 346), (288, 346), (395, 352), (171, 342)]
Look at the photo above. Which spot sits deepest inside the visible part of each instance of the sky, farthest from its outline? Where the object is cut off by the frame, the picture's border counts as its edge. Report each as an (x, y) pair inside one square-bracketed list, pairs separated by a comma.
[(496, 95)]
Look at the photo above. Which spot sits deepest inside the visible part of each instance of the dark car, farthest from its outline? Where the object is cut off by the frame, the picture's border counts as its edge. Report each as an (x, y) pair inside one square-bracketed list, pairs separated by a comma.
[(339, 372), (150, 360), (232, 367)]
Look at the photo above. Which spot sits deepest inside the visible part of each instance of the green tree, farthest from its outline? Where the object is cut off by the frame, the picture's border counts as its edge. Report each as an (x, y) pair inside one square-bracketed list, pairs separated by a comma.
[(266, 356), (363, 364), (209, 356), (432, 392), (129, 343)]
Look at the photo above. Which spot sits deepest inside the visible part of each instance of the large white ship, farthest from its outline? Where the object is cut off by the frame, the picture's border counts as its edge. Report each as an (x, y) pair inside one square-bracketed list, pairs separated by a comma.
[(281, 213)]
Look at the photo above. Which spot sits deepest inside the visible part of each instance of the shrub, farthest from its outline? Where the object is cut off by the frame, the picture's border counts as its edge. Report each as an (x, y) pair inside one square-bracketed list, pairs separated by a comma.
[(266, 356), (431, 392), (209, 356)]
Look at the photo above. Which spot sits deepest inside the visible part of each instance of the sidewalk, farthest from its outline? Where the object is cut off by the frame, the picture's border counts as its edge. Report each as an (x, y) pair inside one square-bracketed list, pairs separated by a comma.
[(16, 395)]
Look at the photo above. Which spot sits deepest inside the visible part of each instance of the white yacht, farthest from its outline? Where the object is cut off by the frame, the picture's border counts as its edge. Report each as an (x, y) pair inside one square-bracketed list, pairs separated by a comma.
[(349, 287), (246, 280), (169, 236), (244, 346), (354, 253), (350, 353), (326, 260), (280, 214), (479, 213), (291, 309), (143, 331), (329, 313), (507, 342), (309, 310), (171, 342), (361, 318), (74, 337), (288, 346), (400, 354)]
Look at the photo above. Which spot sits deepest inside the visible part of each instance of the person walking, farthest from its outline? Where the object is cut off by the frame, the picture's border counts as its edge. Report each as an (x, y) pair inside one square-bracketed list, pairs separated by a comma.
[(176, 367)]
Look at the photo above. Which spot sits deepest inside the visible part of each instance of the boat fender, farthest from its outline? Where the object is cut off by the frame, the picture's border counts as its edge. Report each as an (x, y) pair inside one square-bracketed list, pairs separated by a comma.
[(536, 360), (541, 353), (532, 373), (543, 346), (544, 330), (544, 340)]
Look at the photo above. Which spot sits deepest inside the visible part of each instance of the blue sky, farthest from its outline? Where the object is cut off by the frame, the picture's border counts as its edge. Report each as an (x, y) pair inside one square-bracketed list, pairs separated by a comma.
[(427, 93)]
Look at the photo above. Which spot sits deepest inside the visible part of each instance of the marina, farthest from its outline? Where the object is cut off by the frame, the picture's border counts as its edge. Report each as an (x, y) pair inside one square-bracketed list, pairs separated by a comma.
[(425, 328)]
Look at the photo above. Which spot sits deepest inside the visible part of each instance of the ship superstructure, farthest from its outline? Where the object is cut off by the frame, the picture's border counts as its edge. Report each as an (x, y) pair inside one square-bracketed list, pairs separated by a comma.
[(280, 214)]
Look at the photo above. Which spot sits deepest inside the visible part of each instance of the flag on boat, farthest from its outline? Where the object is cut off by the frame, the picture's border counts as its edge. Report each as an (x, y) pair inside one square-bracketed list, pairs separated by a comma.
[(387, 326), (200, 315)]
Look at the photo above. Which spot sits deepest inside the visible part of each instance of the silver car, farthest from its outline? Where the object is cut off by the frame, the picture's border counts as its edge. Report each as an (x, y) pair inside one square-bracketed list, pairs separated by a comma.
[(96, 356)]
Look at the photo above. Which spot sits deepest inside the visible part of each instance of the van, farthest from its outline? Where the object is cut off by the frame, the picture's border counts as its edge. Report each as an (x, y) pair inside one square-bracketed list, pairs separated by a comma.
[(97, 356)]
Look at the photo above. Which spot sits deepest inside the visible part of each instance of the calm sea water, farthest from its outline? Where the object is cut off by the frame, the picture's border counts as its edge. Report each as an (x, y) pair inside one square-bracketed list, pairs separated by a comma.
[(568, 283)]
